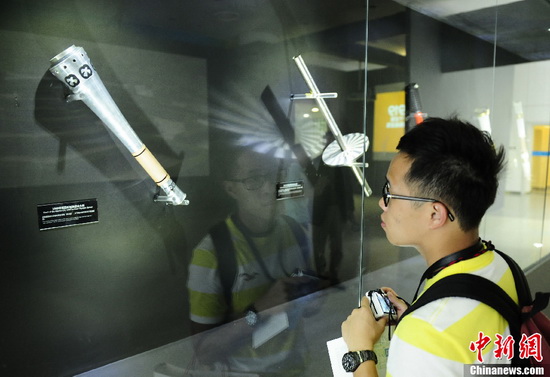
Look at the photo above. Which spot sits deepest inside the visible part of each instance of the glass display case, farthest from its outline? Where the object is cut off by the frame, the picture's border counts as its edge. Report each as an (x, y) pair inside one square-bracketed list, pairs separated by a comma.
[(212, 205)]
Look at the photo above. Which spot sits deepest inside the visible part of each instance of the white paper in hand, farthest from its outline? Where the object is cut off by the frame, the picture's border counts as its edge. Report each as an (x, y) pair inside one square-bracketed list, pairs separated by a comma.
[(268, 328), (336, 349)]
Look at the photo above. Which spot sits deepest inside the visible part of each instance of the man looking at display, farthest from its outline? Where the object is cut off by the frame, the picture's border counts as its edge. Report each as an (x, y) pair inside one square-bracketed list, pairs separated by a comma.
[(438, 188), (265, 249)]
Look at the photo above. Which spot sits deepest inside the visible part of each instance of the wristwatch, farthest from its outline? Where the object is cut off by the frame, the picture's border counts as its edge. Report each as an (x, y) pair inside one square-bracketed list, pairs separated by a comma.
[(352, 360), (251, 316)]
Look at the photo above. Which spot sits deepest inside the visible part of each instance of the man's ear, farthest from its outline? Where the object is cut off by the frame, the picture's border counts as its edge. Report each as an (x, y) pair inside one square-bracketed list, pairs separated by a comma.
[(439, 215), (229, 188)]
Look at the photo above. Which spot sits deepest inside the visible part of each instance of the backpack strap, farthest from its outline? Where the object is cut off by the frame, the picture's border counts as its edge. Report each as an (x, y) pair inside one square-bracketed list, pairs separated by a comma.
[(227, 261), (469, 286), (483, 290), (473, 287), (522, 286), (524, 292), (480, 289)]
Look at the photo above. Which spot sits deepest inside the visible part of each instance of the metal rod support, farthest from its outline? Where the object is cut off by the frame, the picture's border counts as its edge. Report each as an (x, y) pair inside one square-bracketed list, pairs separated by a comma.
[(339, 138)]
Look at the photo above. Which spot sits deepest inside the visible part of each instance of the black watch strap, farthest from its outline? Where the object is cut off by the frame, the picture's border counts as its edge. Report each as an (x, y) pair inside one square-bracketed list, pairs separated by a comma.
[(352, 360), (367, 355)]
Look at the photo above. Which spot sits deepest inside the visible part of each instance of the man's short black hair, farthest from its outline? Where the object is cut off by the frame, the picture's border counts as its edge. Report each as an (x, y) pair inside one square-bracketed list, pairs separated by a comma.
[(456, 163)]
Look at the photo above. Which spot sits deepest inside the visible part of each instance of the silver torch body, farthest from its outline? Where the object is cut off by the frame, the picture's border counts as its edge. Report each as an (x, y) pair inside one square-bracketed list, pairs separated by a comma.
[(74, 68)]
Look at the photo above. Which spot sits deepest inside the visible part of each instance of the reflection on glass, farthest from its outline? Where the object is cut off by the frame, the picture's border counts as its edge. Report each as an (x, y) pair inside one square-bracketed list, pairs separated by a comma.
[(245, 272), (184, 73)]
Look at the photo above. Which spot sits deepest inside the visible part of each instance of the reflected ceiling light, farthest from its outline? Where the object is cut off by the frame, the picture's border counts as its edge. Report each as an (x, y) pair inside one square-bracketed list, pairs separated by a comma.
[(338, 63), (315, 110), (538, 245), (254, 129), (306, 115), (446, 8)]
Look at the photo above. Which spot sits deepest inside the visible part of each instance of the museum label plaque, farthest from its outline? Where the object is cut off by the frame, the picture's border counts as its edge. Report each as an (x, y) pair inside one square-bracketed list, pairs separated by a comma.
[(66, 214), (287, 190)]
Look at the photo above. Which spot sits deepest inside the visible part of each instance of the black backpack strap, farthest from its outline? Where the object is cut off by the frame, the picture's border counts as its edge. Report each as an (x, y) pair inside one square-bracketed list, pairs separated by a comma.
[(485, 291), (524, 292), (522, 286), (227, 261), (473, 287), (480, 289)]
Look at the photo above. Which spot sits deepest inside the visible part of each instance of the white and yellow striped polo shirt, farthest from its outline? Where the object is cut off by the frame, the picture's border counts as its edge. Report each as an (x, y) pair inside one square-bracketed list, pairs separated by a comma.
[(281, 254), (434, 340)]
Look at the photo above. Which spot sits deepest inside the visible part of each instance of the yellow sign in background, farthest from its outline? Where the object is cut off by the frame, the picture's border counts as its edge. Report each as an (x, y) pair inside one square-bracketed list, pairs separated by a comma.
[(389, 121), (540, 175)]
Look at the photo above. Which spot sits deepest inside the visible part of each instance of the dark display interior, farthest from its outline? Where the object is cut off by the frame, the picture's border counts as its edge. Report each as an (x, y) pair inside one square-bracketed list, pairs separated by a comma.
[(189, 77)]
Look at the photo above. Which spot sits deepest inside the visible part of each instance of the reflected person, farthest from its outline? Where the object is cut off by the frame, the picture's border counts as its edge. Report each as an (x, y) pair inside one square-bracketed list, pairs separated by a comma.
[(243, 272), (332, 208), (438, 187)]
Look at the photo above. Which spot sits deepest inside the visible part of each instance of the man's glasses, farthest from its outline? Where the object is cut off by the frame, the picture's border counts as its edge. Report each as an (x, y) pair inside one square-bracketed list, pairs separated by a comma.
[(257, 181), (386, 196)]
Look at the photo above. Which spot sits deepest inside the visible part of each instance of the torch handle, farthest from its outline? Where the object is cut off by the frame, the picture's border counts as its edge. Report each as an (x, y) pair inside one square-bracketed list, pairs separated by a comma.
[(151, 165)]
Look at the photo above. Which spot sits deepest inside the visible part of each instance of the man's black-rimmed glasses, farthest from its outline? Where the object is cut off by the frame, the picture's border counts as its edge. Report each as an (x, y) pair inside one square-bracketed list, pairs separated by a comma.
[(386, 196)]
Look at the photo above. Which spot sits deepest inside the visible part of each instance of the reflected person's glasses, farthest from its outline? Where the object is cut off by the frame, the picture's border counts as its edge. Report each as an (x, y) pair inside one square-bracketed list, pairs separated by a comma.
[(255, 182), (386, 196)]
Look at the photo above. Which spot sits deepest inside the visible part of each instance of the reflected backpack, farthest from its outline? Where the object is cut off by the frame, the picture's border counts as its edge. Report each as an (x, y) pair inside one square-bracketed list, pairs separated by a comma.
[(227, 260), (525, 321)]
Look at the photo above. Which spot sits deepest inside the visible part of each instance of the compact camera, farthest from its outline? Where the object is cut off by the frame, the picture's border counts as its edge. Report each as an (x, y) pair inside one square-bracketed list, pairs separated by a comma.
[(307, 273), (380, 304)]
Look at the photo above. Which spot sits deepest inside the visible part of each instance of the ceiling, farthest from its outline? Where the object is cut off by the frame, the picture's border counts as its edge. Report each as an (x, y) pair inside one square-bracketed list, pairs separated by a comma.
[(519, 27)]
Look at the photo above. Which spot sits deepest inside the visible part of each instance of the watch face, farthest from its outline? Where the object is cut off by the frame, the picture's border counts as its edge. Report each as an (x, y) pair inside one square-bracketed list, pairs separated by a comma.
[(251, 318), (350, 362)]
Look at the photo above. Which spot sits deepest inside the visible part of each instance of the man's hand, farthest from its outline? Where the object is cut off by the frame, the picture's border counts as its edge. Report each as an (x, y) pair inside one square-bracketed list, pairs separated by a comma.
[(276, 295), (398, 303), (287, 289), (361, 330)]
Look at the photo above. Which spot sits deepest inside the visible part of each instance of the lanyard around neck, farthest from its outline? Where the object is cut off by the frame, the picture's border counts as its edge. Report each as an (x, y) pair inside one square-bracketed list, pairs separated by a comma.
[(470, 252)]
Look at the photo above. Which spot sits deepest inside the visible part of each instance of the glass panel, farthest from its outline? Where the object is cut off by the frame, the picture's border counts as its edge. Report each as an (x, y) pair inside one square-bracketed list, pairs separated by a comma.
[(212, 98), (521, 219), (493, 56), (216, 92), (511, 100)]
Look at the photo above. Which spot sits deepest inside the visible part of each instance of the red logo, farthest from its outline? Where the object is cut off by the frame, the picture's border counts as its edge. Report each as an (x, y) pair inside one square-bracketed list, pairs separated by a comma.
[(529, 346)]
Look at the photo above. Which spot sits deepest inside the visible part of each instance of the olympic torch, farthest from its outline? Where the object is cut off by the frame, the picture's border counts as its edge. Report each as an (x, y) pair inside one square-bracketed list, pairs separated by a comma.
[(413, 106), (75, 70)]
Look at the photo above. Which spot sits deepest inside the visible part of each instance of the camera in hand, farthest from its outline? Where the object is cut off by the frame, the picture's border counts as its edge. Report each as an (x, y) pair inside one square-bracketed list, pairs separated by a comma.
[(307, 273), (380, 304), (308, 283)]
